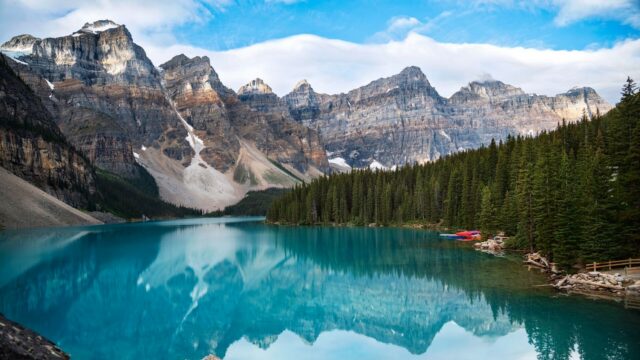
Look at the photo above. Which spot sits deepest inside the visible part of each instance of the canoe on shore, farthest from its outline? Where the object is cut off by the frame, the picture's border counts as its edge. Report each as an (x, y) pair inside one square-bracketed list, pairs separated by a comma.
[(464, 236)]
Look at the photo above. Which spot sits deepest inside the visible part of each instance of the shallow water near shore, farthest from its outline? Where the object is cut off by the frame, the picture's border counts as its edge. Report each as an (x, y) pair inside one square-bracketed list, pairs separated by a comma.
[(241, 289)]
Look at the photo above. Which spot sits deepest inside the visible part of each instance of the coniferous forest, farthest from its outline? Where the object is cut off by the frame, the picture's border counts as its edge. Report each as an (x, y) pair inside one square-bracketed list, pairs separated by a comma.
[(572, 193)]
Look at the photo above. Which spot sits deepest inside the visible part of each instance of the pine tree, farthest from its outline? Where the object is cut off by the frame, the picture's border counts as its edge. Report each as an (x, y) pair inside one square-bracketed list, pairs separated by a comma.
[(565, 245), (599, 243), (544, 194), (488, 213), (629, 89), (630, 181), (524, 198)]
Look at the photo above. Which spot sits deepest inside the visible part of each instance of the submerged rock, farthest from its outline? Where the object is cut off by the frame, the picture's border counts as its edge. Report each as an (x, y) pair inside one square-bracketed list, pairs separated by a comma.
[(16, 342)]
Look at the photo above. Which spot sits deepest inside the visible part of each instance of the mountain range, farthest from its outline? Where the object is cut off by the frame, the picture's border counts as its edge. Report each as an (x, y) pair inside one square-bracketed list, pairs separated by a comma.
[(106, 105)]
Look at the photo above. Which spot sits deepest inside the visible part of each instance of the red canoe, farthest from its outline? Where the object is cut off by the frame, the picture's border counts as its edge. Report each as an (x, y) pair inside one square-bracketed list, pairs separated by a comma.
[(469, 235)]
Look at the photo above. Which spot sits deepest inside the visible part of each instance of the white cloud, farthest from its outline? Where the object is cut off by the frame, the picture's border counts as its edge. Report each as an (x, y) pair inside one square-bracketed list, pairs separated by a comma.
[(399, 26), (402, 22), (337, 66), (333, 66), (570, 11), (151, 18)]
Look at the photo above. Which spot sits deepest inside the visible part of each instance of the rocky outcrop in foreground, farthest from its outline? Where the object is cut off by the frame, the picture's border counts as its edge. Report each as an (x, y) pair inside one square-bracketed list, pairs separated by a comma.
[(18, 343)]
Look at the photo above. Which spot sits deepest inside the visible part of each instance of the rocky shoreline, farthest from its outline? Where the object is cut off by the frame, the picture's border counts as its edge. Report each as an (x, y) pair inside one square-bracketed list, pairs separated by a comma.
[(594, 284), (18, 342)]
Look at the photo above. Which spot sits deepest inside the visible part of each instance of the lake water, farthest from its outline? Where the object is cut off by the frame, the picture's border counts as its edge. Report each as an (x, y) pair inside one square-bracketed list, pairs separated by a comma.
[(241, 289)]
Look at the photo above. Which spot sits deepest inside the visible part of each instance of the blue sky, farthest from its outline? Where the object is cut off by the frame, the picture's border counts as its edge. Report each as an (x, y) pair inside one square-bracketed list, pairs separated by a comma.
[(543, 46), (505, 23)]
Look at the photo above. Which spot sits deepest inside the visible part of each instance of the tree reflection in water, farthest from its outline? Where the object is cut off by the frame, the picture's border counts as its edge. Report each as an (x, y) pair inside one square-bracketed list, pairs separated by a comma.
[(189, 288)]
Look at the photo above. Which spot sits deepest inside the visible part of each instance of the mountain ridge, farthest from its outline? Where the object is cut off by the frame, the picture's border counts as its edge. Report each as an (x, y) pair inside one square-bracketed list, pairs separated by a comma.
[(121, 111)]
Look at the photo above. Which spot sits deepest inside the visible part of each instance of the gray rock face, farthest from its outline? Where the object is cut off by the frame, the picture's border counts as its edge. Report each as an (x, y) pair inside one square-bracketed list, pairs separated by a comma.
[(201, 98), (402, 119), (109, 95), (197, 137), (255, 115), (32, 146), (204, 145)]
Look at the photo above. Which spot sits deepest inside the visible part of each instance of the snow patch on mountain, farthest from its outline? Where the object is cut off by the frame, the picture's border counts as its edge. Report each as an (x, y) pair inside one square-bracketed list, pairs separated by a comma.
[(340, 162), (199, 185), (99, 26), (200, 178), (375, 165), (445, 135), (16, 52), (14, 57)]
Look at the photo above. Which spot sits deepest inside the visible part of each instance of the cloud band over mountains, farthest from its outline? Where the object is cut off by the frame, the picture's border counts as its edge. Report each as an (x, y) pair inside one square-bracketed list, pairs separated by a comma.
[(334, 66)]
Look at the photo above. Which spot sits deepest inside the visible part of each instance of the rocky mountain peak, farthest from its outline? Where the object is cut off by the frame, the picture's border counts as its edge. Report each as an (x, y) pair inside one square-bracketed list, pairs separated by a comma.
[(581, 91), (197, 72), (19, 45), (413, 72), (99, 26), (183, 60), (494, 88), (175, 62), (255, 87), (302, 85), (486, 90), (20, 39), (411, 81), (410, 76)]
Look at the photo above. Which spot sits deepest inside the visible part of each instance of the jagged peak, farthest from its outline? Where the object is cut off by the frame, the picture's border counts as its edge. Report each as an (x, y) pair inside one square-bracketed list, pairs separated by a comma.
[(302, 85), (99, 26), (411, 74), (256, 86), (23, 43), (23, 37), (585, 89), (412, 70), (487, 82), (492, 88), (182, 59)]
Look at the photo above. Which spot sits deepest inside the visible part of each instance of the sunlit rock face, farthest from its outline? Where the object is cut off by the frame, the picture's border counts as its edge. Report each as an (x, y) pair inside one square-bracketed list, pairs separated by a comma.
[(108, 95), (402, 119)]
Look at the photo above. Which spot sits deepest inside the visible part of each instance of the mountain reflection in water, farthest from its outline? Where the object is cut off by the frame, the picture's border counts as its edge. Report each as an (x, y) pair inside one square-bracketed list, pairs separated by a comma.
[(242, 289)]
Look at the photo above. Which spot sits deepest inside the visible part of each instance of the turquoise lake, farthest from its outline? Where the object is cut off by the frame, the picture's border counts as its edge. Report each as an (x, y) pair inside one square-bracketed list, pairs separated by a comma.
[(240, 289)]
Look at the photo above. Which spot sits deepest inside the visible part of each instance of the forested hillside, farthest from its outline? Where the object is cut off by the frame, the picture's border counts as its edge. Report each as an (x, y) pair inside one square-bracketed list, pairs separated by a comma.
[(572, 193)]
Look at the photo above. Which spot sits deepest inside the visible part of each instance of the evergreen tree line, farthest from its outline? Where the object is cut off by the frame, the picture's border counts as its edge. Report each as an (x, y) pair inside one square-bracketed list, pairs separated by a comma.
[(572, 193)]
